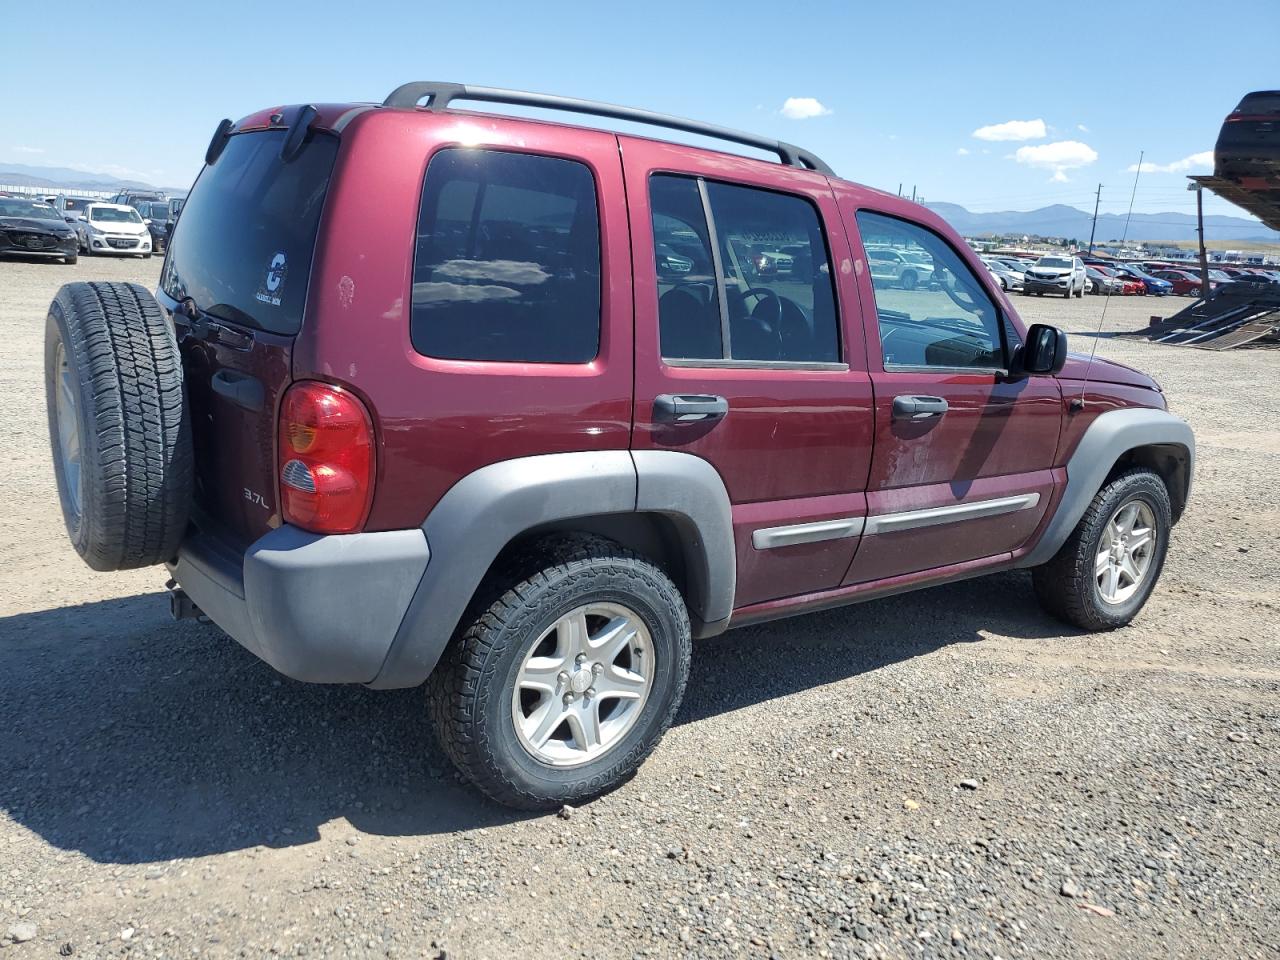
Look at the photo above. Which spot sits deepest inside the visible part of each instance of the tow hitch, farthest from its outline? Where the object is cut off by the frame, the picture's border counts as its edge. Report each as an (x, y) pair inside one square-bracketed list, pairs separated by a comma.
[(182, 607)]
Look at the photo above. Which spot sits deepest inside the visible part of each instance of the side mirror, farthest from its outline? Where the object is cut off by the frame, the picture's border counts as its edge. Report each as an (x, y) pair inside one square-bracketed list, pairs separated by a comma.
[(81, 219), (1045, 351)]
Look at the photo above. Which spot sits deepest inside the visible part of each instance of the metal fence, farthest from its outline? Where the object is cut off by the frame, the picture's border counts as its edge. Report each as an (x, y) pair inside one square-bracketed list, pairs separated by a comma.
[(27, 190)]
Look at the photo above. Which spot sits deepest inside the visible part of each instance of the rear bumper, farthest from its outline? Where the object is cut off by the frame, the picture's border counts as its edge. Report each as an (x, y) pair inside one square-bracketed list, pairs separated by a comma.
[(323, 609)]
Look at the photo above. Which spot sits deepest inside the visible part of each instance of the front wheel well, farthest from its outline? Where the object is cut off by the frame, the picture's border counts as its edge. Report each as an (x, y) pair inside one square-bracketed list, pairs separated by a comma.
[(1170, 461)]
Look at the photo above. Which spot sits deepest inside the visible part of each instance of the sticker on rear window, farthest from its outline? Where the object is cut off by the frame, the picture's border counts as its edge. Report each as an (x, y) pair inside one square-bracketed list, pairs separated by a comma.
[(272, 285)]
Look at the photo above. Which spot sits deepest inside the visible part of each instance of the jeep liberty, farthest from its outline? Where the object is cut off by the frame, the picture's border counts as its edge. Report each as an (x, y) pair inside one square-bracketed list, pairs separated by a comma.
[(517, 409)]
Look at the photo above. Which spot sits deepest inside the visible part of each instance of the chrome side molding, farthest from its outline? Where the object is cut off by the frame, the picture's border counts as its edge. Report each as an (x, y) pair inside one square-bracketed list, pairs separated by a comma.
[(932, 516), (770, 538)]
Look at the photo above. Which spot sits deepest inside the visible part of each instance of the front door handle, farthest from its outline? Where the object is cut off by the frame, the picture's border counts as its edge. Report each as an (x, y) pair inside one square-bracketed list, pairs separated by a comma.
[(918, 408), (689, 407)]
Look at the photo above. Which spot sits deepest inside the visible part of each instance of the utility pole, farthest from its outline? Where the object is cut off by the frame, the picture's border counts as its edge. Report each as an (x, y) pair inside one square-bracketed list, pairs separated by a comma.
[(1204, 257), (913, 193), (1097, 199), (899, 189)]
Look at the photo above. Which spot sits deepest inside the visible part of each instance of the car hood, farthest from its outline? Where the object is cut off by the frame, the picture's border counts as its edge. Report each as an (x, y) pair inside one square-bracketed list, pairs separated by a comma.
[(1105, 371), (56, 227), (1050, 271)]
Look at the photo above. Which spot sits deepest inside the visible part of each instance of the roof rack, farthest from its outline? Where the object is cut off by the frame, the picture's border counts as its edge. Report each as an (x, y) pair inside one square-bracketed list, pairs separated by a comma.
[(442, 94)]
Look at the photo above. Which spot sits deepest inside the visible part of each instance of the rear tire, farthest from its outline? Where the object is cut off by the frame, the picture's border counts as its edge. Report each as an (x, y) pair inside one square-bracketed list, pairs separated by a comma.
[(909, 280), (1071, 585), (477, 692), (118, 424), (71, 260)]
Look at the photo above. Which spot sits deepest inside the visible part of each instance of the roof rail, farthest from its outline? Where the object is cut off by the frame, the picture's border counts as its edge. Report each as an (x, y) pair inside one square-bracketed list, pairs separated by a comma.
[(442, 94)]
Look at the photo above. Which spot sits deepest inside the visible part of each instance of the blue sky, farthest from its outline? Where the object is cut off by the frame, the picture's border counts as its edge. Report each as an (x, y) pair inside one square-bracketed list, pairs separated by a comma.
[(900, 89)]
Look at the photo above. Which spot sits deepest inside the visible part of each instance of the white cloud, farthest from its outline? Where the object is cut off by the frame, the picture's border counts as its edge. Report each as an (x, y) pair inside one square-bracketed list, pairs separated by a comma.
[(1059, 157), (26, 149), (1082, 128), (1202, 159), (962, 152), (803, 108), (1011, 130)]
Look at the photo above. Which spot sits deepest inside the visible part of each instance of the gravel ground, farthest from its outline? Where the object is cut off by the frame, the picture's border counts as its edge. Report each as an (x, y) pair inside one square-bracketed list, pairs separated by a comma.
[(949, 774)]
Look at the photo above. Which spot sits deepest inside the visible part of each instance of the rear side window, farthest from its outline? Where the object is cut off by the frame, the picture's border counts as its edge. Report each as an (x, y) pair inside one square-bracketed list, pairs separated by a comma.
[(244, 245), (752, 283), (507, 264)]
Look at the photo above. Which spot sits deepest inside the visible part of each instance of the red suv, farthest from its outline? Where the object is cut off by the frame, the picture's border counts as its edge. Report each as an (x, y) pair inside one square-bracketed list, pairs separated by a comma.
[(518, 409)]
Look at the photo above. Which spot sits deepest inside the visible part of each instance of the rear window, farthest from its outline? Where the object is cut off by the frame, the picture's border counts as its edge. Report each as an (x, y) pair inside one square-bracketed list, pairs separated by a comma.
[(507, 265), (242, 250)]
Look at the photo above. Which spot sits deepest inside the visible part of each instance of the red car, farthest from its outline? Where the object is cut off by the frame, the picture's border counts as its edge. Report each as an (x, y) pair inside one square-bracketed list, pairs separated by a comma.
[(419, 404), (1131, 287), (1184, 284)]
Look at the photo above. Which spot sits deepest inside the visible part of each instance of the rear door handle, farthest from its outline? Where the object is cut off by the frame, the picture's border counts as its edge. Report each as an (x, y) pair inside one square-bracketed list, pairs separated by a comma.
[(689, 407), (918, 408)]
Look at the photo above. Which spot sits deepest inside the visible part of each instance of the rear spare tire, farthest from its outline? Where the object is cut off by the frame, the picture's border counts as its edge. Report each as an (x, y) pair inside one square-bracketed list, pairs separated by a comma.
[(118, 424)]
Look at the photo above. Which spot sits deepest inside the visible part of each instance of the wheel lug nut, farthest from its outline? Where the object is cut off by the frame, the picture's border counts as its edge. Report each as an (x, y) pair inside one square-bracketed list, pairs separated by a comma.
[(568, 698), (591, 692), (562, 677), (580, 659), (597, 668)]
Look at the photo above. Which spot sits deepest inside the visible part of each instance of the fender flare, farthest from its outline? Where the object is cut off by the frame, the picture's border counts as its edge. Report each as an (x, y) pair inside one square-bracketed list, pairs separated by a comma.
[(486, 510), (1107, 439)]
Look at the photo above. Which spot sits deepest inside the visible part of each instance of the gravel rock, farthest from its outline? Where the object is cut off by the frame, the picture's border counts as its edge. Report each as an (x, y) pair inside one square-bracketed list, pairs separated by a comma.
[(22, 932), (132, 745), (969, 784)]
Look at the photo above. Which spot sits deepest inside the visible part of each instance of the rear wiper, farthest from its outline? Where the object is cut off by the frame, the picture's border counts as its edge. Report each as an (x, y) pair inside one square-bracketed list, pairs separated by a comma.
[(201, 325)]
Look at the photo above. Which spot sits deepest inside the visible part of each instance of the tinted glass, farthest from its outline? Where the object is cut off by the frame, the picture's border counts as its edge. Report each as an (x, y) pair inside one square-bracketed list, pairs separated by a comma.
[(944, 319), (243, 247), (688, 304), (507, 265), (777, 277)]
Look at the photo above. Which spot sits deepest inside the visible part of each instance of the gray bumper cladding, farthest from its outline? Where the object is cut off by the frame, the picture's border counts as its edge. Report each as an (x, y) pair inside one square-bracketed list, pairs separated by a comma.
[(1110, 437), (323, 609)]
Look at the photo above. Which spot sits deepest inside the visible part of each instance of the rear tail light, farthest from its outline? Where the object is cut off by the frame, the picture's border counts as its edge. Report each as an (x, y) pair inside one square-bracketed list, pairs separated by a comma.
[(326, 458)]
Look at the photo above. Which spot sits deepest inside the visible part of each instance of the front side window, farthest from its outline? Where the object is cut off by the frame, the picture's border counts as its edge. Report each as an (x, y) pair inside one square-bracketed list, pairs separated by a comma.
[(770, 301), (507, 264), (933, 310)]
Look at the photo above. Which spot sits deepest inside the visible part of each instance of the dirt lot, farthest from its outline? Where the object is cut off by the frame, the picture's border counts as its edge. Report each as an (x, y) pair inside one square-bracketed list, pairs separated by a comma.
[(945, 774)]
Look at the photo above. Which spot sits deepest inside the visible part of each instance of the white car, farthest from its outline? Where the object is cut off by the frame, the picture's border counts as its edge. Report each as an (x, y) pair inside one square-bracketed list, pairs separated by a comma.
[(1055, 274), (113, 228), (904, 268)]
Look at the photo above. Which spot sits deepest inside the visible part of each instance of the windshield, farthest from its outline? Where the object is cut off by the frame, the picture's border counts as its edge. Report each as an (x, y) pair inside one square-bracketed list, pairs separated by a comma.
[(35, 209), (1053, 262), (114, 215), (243, 245), (156, 211)]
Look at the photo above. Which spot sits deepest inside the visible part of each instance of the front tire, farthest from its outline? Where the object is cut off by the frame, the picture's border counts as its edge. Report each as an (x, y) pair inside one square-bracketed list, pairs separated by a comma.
[(909, 281), (562, 685), (1104, 573)]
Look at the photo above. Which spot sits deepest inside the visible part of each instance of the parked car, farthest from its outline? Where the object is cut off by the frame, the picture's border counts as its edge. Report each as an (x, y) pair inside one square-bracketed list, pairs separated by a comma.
[(1184, 284), (34, 227), (1055, 274), (554, 466), (113, 228), (1106, 282), (1151, 285), (71, 206), (156, 214), (1010, 280), (131, 197), (1249, 142), (895, 268)]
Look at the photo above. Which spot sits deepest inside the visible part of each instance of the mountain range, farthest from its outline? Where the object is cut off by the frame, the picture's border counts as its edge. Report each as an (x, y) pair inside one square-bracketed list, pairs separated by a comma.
[(1068, 222), (1053, 221), (26, 175)]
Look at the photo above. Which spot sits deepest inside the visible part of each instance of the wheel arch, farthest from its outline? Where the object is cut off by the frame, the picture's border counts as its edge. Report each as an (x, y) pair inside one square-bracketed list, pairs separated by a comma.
[(670, 507), (1116, 441)]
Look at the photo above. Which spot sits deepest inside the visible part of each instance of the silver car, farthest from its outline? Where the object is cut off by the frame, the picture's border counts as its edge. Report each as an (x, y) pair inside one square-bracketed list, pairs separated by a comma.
[(1055, 274)]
